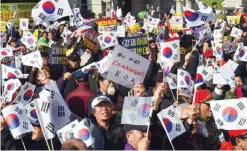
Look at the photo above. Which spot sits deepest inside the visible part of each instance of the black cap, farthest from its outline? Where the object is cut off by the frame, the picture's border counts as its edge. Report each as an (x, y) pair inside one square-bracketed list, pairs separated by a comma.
[(74, 56), (128, 127), (14, 40)]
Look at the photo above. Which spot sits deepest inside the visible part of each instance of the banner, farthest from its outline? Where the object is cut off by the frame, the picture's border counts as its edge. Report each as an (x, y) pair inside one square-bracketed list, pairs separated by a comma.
[(91, 41), (57, 55), (233, 20), (2, 26), (138, 45), (22, 9), (106, 22), (126, 67)]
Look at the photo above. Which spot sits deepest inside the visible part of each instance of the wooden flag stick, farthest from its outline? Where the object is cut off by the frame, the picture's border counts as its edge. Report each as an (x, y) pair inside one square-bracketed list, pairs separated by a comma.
[(23, 144), (171, 91), (52, 147)]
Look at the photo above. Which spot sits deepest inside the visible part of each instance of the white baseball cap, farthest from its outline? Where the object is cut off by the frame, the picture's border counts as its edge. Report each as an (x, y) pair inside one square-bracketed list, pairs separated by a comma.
[(99, 99)]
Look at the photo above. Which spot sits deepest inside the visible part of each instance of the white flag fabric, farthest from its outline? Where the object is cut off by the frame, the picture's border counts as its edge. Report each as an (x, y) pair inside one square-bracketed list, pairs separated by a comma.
[(43, 108), (11, 73), (237, 33), (129, 20), (5, 52), (32, 59), (10, 87), (125, 67), (50, 10), (196, 18), (25, 94), (165, 66), (172, 10), (170, 50), (3, 37), (204, 8), (230, 114), (172, 80), (32, 114), (24, 23), (29, 40), (137, 110), (218, 35), (183, 79), (171, 122), (82, 132), (218, 50), (188, 92), (119, 13), (241, 53), (161, 36), (106, 40), (16, 119), (66, 132)]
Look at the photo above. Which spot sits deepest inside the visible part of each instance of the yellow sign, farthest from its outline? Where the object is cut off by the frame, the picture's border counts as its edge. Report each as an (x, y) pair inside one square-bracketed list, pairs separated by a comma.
[(23, 10), (233, 19), (2, 26), (134, 28)]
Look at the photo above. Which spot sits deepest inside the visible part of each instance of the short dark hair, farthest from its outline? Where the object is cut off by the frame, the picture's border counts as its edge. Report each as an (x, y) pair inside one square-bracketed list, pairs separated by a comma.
[(214, 3), (158, 77), (44, 54)]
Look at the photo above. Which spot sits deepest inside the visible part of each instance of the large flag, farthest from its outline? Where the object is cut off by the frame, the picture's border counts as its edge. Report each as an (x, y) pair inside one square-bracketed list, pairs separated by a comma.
[(29, 40), (137, 110), (26, 93), (24, 23), (16, 119), (11, 73), (32, 59), (10, 87), (170, 50), (171, 122), (204, 8), (230, 114), (82, 132), (5, 52), (241, 53), (66, 132), (31, 113), (194, 18), (50, 10), (183, 79), (172, 80), (107, 39)]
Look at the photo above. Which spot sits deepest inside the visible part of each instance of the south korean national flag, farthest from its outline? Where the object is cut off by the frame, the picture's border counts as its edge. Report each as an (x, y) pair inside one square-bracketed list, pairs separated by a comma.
[(107, 40), (171, 122), (26, 93), (218, 50), (32, 59), (16, 119), (66, 132), (241, 53), (161, 36), (237, 33), (172, 80), (24, 23), (32, 113), (10, 73), (50, 10), (10, 87), (183, 79), (230, 114), (165, 66), (3, 37), (170, 50), (5, 52), (203, 74), (218, 35), (29, 40)]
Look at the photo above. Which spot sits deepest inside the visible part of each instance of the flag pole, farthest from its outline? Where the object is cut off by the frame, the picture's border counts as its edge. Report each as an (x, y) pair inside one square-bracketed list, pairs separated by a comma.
[(171, 91), (23, 144), (52, 147)]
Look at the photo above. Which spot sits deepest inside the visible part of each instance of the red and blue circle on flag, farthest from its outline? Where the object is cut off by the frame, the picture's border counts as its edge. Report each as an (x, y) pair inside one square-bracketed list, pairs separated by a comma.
[(48, 7), (187, 79), (191, 16), (167, 52), (83, 134), (107, 39), (229, 114), (241, 53), (199, 78), (143, 110), (168, 124), (10, 75), (28, 95), (12, 121)]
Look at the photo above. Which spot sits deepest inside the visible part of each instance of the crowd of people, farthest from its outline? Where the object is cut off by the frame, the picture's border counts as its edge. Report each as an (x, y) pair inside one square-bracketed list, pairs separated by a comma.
[(100, 101)]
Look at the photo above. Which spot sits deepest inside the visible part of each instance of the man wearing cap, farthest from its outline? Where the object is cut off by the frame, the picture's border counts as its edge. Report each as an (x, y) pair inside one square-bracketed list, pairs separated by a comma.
[(238, 139), (107, 132), (207, 126)]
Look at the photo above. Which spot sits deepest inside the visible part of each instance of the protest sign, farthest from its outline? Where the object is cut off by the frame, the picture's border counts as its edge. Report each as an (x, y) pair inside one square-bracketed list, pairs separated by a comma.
[(120, 31), (2, 26), (126, 67), (137, 110), (16, 119), (107, 25), (233, 20), (176, 22), (9, 9), (230, 114), (137, 44), (91, 41), (57, 55)]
